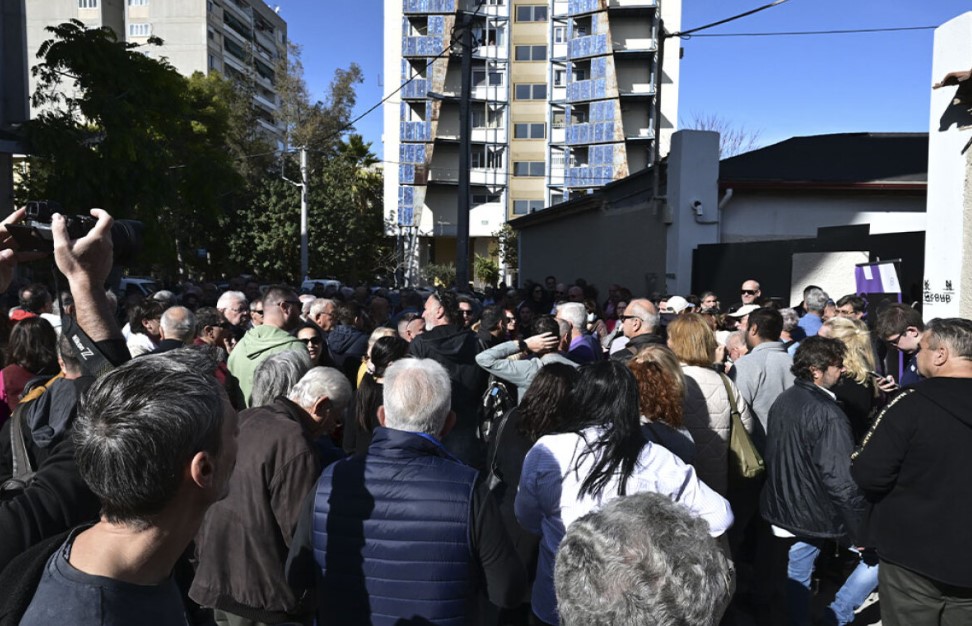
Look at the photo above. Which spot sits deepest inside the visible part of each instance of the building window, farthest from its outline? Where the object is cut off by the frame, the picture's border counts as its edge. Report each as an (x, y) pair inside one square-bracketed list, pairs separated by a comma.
[(87, 4), (479, 199), (560, 34), (531, 91), (528, 168), (480, 78), (530, 53), (490, 158), (531, 13), (137, 3), (579, 75), (560, 78), (522, 207), (529, 131), (139, 30), (483, 118)]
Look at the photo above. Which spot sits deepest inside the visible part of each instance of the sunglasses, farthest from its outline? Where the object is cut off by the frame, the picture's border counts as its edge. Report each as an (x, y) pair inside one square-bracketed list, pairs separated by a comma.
[(256, 311), (311, 341), (748, 292)]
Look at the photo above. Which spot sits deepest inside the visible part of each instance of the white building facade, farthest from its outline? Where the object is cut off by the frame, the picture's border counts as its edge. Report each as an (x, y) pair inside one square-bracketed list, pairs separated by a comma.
[(235, 38)]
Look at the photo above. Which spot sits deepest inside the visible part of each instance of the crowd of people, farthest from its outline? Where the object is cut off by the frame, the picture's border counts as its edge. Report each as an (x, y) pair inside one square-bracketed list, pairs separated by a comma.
[(258, 455)]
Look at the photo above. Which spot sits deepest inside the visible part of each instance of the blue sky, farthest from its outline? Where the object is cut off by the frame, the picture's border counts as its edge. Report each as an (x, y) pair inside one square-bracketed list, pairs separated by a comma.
[(778, 87)]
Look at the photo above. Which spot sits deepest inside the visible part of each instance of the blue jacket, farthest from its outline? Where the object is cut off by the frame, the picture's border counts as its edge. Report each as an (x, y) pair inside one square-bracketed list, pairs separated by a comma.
[(392, 535)]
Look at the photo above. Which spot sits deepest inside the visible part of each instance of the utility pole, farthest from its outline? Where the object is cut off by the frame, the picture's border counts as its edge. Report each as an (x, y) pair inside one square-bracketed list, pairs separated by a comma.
[(304, 267), (303, 207), (465, 131)]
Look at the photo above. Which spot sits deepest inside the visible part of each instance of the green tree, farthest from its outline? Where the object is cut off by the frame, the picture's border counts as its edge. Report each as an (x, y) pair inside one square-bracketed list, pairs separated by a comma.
[(125, 132), (345, 225)]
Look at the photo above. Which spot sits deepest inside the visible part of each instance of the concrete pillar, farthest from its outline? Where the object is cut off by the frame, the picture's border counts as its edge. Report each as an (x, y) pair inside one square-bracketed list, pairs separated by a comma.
[(692, 199), (948, 238)]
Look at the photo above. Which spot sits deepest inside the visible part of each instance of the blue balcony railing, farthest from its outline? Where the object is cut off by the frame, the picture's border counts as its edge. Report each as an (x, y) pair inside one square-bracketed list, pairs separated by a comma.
[(428, 6), (590, 46), (589, 176), (418, 88), (579, 7), (421, 46), (416, 131), (584, 90), (594, 132)]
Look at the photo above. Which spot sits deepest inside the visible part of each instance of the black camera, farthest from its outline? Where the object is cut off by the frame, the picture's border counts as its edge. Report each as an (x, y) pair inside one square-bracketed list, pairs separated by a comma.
[(34, 233)]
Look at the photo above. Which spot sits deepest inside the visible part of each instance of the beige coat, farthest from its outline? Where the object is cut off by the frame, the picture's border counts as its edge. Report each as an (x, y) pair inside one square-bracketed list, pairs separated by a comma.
[(707, 418)]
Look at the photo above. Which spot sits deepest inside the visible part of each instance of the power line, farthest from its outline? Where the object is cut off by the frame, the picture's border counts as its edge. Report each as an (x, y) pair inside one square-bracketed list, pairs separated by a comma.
[(814, 32), (349, 125), (683, 33)]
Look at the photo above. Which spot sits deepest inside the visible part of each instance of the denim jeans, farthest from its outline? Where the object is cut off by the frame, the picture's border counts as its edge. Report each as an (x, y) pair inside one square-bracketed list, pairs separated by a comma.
[(862, 581)]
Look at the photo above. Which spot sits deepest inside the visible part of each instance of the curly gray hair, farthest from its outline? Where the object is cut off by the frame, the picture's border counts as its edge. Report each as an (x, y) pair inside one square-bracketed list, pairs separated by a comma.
[(642, 559)]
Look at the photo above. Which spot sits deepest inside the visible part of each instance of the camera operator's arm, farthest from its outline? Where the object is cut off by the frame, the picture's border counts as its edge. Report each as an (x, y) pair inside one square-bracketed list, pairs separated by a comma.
[(86, 262), (8, 255)]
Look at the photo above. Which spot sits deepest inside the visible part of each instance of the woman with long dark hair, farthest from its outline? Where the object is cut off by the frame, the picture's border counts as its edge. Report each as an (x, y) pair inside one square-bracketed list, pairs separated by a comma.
[(598, 454), (384, 352), (32, 352), (541, 411)]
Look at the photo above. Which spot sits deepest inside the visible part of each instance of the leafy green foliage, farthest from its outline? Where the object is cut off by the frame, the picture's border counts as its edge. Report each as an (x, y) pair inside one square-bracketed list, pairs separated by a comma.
[(487, 270), (125, 132)]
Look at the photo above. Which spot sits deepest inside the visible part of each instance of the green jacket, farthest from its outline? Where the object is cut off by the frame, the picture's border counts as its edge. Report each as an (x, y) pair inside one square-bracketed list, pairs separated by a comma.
[(256, 345)]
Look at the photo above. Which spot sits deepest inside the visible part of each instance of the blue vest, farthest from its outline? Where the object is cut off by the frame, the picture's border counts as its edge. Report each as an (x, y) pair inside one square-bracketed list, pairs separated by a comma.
[(392, 535)]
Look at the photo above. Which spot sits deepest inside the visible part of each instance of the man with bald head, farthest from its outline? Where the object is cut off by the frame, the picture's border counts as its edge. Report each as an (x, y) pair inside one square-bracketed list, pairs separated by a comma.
[(638, 324), (177, 328)]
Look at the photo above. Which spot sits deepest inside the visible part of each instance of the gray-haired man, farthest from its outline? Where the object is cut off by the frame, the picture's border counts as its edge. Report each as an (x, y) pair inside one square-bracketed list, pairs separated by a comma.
[(406, 531)]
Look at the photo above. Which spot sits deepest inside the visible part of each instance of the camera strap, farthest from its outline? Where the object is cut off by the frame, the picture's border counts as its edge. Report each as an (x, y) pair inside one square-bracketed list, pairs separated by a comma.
[(94, 362)]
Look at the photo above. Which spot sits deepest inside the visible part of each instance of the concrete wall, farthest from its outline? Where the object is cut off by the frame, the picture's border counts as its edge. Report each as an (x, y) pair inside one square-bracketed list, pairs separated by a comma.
[(625, 245), (948, 251), (750, 216)]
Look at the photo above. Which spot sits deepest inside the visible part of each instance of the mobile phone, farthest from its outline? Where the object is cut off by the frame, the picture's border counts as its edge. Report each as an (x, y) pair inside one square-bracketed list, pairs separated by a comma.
[(875, 374)]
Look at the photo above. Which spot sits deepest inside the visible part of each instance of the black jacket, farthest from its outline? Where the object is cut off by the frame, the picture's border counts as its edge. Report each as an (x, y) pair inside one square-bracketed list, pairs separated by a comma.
[(637, 343), (915, 465), (346, 346), (57, 499), (809, 490), (456, 349)]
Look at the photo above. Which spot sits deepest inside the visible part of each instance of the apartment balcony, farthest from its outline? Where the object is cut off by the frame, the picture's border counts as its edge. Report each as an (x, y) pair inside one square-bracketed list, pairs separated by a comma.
[(491, 53), (582, 7), (416, 131), (488, 135), (639, 135), (583, 90), (243, 10), (590, 133), (486, 177), (558, 135), (634, 45), (422, 46), (636, 90), (425, 7), (589, 46), (417, 89), (266, 102), (587, 176), (412, 174)]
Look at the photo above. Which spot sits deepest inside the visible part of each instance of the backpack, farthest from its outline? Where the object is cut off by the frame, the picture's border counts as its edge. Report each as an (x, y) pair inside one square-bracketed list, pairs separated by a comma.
[(497, 401)]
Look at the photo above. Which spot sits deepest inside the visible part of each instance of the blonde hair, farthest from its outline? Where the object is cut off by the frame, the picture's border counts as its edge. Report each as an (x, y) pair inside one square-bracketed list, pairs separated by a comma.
[(859, 360), (691, 339)]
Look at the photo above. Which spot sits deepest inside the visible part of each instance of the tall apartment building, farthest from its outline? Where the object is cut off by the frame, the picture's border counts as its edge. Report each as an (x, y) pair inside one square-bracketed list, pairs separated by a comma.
[(563, 101), (231, 37)]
